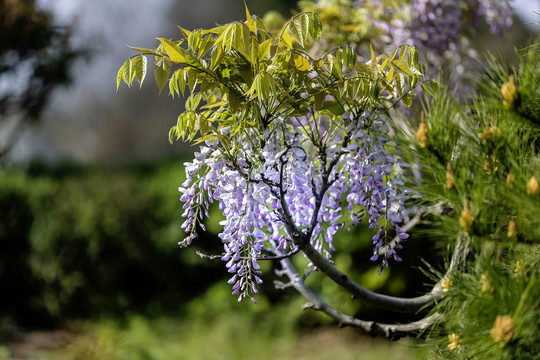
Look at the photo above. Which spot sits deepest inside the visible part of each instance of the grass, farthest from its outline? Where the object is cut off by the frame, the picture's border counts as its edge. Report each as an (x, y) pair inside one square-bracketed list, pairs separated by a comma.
[(215, 326), (167, 338)]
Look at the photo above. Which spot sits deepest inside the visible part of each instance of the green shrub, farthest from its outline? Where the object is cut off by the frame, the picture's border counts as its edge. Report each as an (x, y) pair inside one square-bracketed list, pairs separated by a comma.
[(92, 242)]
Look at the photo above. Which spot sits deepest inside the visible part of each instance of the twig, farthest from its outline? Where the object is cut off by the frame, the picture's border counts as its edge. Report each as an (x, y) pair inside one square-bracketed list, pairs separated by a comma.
[(206, 256), (293, 252)]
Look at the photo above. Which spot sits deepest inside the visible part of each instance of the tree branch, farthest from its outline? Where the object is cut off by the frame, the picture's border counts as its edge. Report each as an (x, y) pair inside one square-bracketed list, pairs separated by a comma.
[(407, 305), (291, 253), (390, 331)]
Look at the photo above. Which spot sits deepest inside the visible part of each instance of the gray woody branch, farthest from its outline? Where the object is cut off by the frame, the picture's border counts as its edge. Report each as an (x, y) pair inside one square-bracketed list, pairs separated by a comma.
[(398, 304), (390, 331)]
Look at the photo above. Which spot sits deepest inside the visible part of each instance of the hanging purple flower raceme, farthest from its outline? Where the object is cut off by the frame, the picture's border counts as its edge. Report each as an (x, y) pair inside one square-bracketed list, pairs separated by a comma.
[(497, 14), (281, 180), (439, 29)]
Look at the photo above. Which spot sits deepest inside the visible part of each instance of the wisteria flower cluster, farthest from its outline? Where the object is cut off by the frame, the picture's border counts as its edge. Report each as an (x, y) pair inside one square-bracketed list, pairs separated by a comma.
[(294, 182), (440, 29)]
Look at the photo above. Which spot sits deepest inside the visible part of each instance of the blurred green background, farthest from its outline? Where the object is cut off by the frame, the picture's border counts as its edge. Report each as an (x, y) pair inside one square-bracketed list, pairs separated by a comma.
[(92, 253), (90, 217)]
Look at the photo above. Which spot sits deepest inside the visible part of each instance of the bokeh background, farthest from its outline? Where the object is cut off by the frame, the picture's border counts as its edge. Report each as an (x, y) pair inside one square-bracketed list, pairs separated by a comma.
[(89, 210)]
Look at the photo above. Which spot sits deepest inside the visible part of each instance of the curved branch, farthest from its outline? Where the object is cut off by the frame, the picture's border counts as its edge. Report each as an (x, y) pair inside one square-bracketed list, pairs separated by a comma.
[(408, 305), (390, 331), (392, 303)]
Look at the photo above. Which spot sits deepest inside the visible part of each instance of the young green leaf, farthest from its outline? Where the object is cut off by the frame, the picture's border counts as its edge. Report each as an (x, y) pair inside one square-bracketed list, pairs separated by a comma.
[(194, 40), (128, 75), (140, 68), (192, 74), (146, 51), (301, 63), (119, 76), (264, 47), (205, 46), (162, 69), (234, 100), (175, 53), (295, 28), (251, 24), (216, 56), (173, 134)]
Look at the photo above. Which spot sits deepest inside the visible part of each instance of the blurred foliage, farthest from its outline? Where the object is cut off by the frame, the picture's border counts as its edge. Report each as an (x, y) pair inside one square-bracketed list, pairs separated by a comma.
[(35, 57), (91, 242), (481, 164), (215, 327), (81, 241)]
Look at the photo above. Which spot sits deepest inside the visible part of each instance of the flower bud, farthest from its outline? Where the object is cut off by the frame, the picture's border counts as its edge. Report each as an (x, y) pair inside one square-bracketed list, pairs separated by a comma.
[(422, 134), (503, 329), (455, 341), (446, 284), (510, 92), (466, 219), (512, 229), (510, 179), (449, 176), (532, 186)]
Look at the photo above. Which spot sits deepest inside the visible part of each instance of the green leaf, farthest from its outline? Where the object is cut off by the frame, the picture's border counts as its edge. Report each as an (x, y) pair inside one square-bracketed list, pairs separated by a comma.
[(162, 69), (251, 24), (390, 75), (181, 125), (263, 86), (301, 63), (193, 102), (403, 67), (140, 68), (175, 53), (119, 75), (244, 41), (194, 40), (346, 57), (205, 46), (315, 30), (254, 53), (306, 23), (223, 73), (181, 78), (177, 83), (192, 75), (218, 30), (147, 51), (229, 38), (331, 64), (185, 32), (173, 134), (216, 57), (128, 75), (333, 107), (264, 47), (234, 101), (295, 28), (246, 73), (207, 82), (213, 105), (407, 100), (287, 40)]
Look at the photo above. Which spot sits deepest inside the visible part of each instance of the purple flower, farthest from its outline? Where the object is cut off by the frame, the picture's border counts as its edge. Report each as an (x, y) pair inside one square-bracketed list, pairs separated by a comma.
[(282, 181)]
